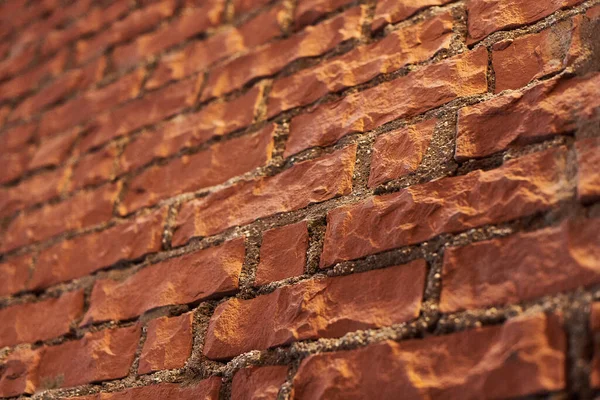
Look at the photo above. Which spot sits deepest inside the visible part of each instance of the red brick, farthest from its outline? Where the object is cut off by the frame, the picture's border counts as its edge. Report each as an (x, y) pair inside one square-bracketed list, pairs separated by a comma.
[(15, 163), (488, 16), (405, 46), (18, 136), (272, 57), (201, 275), (83, 210), (521, 267), (309, 11), (98, 356), (392, 11), (303, 184), (588, 179), (93, 21), (147, 110), (17, 373), (46, 319), (583, 46), (210, 167), (192, 21), (168, 343), (134, 24), (420, 91), (552, 107), (258, 382), (17, 61), (29, 81), (188, 130), (524, 356), (83, 255), (528, 185), (517, 62), (36, 189), (243, 6), (55, 150), (15, 273), (94, 168), (207, 389), (400, 152), (71, 81), (198, 55), (282, 253), (595, 330), (320, 308), (90, 103)]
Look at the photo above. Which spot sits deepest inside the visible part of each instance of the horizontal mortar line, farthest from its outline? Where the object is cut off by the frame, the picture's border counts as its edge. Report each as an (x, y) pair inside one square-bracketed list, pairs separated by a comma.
[(415, 329), (385, 259)]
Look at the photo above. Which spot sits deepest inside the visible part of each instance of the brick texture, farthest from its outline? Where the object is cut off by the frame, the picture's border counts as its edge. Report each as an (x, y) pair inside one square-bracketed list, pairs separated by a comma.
[(299, 199)]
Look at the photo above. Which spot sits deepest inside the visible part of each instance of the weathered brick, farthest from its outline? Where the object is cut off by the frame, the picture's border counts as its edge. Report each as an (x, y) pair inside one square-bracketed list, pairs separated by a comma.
[(317, 308), (192, 277), (488, 16), (524, 356), (207, 389), (83, 210), (15, 273), (192, 21), (272, 57), (98, 356), (517, 62), (521, 267), (168, 343), (550, 108), (94, 168), (46, 319), (78, 79), (422, 90), (258, 382), (36, 189), (303, 184), (595, 330), (17, 61), (137, 22), (198, 55), (30, 80), (90, 103), (190, 173), (392, 11), (83, 255), (583, 49), (405, 46), (309, 11), (243, 6), (17, 373), (18, 136), (282, 253), (54, 150), (588, 159), (216, 119), (528, 185), (400, 152), (93, 21), (147, 110)]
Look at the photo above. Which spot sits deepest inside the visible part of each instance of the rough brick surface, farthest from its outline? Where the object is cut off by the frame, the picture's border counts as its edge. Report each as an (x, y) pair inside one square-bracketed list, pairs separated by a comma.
[(524, 356), (521, 267), (283, 253), (168, 343), (325, 308), (258, 382), (264, 199), (201, 275)]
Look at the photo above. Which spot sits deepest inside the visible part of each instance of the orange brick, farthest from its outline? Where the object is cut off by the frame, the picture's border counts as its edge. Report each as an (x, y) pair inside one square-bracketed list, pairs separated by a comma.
[(392, 11), (588, 158), (258, 382)]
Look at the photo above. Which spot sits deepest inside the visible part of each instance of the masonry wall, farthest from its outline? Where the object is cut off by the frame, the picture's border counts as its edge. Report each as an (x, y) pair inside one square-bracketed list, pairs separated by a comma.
[(299, 199)]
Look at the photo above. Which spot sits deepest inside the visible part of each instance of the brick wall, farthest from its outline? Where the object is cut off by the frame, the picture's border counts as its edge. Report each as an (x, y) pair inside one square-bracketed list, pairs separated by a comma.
[(246, 199)]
